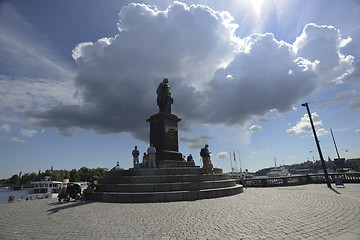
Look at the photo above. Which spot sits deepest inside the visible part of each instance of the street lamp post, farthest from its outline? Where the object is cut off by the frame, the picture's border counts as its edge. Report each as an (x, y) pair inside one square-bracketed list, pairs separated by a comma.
[(318, 145)]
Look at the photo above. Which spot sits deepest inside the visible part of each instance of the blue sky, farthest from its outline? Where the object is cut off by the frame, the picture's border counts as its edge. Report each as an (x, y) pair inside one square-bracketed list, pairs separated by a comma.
[(78, 80)]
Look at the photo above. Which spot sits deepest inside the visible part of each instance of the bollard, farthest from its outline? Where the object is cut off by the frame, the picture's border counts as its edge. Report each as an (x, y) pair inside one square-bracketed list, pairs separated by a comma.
[(11, 199)]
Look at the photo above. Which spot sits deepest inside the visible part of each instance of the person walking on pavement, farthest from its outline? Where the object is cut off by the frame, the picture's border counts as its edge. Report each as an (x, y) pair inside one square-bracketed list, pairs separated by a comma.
[(151, 151), (136, 154)]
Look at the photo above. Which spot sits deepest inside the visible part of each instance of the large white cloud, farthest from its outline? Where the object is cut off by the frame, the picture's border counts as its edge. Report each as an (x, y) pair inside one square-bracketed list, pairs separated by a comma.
[(304, 126), (118, 76), (215, 77), (322, 44)]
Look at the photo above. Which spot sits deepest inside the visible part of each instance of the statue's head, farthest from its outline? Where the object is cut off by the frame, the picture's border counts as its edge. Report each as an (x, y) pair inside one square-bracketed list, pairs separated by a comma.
[(165, 80)]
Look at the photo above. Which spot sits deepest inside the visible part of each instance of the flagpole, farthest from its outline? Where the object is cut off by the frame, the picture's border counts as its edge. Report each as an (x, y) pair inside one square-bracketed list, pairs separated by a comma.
[(240, 160)]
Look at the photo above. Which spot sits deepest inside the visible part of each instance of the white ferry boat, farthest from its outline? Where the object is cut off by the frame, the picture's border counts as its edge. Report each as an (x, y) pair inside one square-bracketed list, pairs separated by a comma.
[(44, 189), (49, 189), (278, 172)]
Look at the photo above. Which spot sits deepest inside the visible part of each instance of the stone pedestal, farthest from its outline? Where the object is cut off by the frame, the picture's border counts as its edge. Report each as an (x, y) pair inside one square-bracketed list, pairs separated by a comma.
[(164, 137), (163, 185)]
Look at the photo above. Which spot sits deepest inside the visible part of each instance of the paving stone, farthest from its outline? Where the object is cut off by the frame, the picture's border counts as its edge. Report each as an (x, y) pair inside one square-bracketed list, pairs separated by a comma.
[(300, 212)]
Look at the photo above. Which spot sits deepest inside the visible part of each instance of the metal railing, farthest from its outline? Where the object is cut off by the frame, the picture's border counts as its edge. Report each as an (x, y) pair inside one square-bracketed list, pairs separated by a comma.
[(300, 180)]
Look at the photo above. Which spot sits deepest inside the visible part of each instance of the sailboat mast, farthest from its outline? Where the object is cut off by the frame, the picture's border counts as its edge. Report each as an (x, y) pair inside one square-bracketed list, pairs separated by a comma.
[(235, 161), (232, 169), (240, 160)]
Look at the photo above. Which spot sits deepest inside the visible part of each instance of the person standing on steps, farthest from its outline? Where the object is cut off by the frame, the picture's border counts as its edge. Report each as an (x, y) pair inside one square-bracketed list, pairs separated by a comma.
[(151, 151), (145, 160), (205, 154), (136, 154)]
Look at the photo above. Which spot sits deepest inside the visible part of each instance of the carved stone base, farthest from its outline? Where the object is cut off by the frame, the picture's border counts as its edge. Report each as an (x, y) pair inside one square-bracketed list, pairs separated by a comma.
[(168, 155), (164, 137), (174, 163)]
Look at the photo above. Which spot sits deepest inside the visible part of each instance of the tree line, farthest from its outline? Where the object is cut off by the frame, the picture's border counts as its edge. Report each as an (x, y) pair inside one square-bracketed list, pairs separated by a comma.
[(84, 174)]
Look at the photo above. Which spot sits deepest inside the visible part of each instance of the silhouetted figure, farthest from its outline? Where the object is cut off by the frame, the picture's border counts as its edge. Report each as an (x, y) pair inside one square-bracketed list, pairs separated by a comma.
[(135, 154), (164, 99), (190, 159)]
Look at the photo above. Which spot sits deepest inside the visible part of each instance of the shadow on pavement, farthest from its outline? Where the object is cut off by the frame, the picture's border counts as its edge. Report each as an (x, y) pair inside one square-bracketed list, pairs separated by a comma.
[(335, 190), (63, 205)]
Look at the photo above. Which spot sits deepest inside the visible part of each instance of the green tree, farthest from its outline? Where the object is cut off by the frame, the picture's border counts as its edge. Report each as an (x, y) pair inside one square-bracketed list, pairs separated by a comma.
[(40, 176), (85, 174), (34, 176), (101, 171), (74, 176), (14, 179), (25, 179)]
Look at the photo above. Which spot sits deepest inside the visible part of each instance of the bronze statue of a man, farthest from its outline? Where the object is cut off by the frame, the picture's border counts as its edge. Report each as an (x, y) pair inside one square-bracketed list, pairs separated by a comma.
[(164, 99)]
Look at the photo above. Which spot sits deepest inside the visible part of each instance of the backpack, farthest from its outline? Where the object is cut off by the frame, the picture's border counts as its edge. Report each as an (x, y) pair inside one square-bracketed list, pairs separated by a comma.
[(203, 152)]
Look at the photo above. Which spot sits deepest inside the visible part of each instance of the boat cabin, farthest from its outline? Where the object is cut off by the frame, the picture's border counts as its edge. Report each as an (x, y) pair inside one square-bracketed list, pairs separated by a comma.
[(45, 187)]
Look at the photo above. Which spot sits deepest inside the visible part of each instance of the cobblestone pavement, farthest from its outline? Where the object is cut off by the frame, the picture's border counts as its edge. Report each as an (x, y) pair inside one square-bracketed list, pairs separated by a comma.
[(300, 212)]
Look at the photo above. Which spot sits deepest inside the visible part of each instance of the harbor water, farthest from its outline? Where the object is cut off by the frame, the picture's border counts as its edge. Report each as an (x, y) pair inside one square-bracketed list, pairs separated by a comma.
[(6, 193)]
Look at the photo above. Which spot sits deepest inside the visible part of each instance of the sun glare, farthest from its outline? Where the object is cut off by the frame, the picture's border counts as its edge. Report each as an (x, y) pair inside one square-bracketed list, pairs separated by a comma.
[(257, 6)]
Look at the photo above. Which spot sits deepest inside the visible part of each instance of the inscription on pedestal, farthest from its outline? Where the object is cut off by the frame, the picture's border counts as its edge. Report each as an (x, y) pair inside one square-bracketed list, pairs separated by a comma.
[(164, 136), (170, 137)]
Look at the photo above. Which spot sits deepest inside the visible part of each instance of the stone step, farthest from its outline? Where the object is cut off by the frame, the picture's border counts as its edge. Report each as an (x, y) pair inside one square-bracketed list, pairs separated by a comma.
[(163, 184), (160, 171), (119, 179), (174, 163), (145, 197), (165, 187)]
